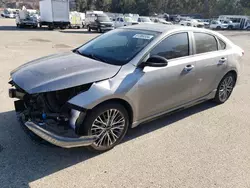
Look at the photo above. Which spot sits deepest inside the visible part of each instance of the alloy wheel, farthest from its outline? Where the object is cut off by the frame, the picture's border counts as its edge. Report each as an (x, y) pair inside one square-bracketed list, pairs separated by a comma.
[(109, 127), (226, 88)]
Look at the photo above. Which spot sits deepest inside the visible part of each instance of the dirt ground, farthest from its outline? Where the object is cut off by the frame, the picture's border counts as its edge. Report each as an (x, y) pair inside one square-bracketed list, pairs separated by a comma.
[(205, 146)]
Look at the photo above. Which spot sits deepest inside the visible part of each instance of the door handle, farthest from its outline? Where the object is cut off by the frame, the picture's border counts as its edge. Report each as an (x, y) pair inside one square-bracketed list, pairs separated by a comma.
[(188, 68), (222, 60)]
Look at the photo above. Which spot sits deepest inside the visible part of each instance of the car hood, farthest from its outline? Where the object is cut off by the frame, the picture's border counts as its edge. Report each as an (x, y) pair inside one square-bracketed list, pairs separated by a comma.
[(60, 71)]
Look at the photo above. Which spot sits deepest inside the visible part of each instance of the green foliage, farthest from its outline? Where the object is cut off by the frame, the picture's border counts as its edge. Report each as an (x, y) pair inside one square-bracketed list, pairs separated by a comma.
[(208, 8)]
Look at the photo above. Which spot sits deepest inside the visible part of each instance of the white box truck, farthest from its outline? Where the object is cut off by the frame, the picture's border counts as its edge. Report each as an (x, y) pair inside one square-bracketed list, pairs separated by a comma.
[(54, 13)]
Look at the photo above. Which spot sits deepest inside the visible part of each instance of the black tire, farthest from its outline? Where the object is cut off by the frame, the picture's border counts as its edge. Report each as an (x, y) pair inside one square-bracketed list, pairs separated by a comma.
[(230, 27), (99, 30), (218, 27), (78, 27), (218, 98), (94, 114), (89, 29), (18, 25), (51, 27)]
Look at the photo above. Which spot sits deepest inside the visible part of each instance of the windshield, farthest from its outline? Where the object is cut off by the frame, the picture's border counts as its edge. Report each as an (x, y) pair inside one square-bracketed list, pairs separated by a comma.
[(145, 20), (103, 19), (117, 47)]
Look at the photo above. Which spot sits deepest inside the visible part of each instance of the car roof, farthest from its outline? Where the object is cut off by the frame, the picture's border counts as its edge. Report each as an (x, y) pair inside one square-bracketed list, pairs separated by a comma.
[(161, 27)]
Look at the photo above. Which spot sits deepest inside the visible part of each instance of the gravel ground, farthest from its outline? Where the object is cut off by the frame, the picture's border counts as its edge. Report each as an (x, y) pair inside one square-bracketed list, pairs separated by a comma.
[(205, 146)]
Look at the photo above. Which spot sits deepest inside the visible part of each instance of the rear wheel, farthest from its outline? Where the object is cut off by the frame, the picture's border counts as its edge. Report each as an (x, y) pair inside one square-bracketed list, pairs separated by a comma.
[(218, 27), (225, 88), (109, 122)]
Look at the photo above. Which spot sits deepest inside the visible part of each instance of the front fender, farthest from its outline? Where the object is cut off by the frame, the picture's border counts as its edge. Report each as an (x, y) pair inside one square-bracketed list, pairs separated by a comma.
[(98, 93)]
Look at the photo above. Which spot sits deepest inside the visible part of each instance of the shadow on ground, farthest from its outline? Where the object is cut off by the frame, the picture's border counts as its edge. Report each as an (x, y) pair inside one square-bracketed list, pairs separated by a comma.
[(14, 28), (80, 31), (23, 161)]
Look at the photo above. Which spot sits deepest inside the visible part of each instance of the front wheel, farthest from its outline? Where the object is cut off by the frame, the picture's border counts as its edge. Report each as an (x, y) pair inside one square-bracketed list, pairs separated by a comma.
[(225, 88), (109, 122)]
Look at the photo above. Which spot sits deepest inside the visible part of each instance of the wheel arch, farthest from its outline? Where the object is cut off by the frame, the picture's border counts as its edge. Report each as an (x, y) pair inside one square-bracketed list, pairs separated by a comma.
[(124, 103), (234, 73)]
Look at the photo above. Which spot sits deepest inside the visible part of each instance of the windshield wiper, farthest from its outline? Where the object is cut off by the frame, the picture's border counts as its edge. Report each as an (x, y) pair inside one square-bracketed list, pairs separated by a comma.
[(92, 56)]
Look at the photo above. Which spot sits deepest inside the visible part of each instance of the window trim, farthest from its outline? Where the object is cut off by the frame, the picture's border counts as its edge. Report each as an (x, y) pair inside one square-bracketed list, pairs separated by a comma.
[(220, 49), (194, 43), (190, 46)]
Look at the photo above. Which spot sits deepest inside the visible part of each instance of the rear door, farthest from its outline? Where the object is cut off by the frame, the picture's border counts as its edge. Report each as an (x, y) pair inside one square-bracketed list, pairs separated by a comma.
[(211, 63)]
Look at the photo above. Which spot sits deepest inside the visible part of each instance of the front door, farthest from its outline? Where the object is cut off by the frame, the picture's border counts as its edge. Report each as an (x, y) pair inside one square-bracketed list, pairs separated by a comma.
[(163, 88)]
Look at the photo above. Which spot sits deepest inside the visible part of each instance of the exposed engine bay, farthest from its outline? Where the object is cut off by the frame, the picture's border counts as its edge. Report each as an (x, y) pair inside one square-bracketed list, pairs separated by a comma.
[(50, 109)]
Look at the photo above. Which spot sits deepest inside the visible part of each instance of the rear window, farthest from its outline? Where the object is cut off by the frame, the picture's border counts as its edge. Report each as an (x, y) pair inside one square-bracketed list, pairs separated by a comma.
[(205, 43)]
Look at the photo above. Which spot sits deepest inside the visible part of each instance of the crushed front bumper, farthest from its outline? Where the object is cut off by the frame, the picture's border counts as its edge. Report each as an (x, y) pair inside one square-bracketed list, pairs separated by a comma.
[(58, 140)]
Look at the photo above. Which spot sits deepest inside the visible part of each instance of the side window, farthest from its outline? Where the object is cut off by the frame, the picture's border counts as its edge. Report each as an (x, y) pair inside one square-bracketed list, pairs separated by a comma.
[(205, 43), (222, 45), (121, 19), (117, 19), (174, 46), (139, 19)]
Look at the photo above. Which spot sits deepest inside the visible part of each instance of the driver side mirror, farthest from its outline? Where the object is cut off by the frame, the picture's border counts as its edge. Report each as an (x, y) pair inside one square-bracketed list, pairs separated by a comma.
[(155, 61)]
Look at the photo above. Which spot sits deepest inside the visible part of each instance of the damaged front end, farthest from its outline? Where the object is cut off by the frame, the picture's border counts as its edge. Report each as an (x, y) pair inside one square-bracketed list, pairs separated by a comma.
[(50, 116)]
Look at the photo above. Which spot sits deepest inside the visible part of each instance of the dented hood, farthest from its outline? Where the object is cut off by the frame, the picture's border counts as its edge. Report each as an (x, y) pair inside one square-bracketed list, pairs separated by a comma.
[(61, 71)]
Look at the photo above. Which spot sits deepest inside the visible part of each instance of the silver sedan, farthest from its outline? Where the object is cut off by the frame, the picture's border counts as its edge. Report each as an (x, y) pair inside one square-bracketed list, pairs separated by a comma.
[(93, 94)]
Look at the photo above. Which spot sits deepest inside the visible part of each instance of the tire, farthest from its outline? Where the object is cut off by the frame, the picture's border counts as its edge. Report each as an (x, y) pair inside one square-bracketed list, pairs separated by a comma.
[(218, 27), (228, 82), (89, 29), (230, 27), (17, 25), (107, 132), (51, 27), (99, 30)]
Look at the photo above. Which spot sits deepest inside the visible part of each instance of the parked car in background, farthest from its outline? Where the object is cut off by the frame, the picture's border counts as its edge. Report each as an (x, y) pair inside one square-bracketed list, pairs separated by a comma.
[(230, 24), (161, 20), (125, 77), (124, 21), (192, 23), (100, 23), (238, 21), (205, 22), (144, 19), (24, 18), (216, 24), (9, 13)]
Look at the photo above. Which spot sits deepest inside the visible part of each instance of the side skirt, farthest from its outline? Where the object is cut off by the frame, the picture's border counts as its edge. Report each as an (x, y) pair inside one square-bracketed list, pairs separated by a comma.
[(176, 109)]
